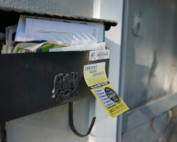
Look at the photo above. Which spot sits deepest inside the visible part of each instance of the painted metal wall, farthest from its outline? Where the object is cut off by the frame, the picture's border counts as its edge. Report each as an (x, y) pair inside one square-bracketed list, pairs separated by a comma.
[(149, 42), (151, 52)]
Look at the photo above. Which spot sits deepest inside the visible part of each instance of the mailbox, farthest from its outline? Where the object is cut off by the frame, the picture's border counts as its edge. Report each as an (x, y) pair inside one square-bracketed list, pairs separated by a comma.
[(33, 82)]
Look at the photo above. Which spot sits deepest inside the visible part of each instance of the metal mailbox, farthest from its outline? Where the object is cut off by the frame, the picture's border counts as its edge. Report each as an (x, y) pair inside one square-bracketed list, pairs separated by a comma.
[(33, 82)]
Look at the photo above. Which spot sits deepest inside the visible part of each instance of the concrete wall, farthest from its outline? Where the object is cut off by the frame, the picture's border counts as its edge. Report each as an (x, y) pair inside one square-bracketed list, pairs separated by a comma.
[(50, 125), (68, 7)]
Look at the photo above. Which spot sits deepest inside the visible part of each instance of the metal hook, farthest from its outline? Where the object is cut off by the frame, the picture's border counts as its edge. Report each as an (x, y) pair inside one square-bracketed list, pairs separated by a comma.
[(71, 123)]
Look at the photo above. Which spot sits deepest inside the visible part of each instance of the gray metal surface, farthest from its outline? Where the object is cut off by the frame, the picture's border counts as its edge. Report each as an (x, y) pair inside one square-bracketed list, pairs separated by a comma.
[(143, 114), (151, 67), (158, 129), (123, 65), (149, 47)]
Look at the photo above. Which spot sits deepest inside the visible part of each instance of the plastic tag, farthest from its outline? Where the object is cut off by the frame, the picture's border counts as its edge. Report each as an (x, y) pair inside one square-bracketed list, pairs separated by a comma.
[(97, 81)]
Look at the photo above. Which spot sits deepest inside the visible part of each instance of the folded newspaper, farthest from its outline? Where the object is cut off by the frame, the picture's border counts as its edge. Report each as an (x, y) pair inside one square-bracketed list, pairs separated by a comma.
[(55, 46), (35, 47)]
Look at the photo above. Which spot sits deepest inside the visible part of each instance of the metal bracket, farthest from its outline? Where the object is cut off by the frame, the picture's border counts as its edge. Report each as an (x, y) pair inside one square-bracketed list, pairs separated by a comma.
[(65, 85), (71, 123)]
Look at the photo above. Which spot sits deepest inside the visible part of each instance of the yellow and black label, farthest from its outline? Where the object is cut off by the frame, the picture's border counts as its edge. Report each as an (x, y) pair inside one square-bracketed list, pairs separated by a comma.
[(97, 81)]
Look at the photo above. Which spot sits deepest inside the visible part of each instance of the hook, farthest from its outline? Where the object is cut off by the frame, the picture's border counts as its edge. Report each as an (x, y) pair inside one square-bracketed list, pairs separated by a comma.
[(71, 123)]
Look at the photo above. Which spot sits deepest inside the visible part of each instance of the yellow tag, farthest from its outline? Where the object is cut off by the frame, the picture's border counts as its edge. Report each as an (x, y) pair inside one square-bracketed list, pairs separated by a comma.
[(97, 81)]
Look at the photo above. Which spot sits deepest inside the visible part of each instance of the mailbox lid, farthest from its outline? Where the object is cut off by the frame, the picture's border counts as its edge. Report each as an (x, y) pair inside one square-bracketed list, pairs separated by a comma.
[(15, 12)]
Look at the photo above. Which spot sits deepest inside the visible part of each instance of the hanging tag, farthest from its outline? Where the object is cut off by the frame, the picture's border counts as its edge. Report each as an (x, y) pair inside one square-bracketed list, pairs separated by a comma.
[(97, 81)]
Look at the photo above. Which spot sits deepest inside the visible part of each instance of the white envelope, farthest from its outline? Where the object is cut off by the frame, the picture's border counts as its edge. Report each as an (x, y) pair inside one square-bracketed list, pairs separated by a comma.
[(75, 33)]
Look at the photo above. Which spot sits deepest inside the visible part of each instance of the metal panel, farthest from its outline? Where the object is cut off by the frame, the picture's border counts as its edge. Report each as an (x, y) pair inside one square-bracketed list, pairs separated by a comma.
[(145, 113), (149, 47), (125, 20), (27, 81), (151, 67)]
